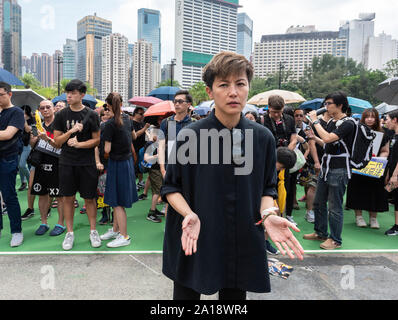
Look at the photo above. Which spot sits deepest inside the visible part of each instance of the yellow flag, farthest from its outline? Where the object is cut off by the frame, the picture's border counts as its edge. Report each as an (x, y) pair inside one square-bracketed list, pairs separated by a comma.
[(38, 122)]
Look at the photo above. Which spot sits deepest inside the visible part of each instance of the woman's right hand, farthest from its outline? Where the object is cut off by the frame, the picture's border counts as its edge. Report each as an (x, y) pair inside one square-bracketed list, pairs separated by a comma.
[(190, 234)]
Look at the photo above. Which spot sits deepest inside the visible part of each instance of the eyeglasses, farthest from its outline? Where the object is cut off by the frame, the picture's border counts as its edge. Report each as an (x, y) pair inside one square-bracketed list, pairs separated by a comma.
[(45, 107), (299, 116), (328, 103), (140, 113), (179, 101)]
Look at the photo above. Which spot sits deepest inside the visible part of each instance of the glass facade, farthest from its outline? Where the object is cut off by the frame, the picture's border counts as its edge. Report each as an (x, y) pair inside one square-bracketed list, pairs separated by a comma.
[(12, 37), (245, 35), (149, 30)]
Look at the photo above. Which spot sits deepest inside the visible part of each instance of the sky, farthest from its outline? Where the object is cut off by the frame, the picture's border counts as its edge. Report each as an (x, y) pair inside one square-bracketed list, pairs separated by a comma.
[(47, 23)]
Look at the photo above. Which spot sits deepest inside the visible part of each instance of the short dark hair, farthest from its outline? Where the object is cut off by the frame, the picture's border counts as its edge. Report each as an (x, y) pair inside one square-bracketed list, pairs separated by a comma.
[(76, 85), (276, 102), (138, 108), (339, 98), (286, 157), (5, 86), (188, 96), (393, 114), (226, 64)]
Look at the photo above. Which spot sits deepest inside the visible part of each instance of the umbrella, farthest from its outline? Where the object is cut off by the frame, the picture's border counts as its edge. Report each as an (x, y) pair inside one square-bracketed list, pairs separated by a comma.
[(28, 97), (164, 93), (385, 108), (144, 101), (128, 110), (290, 97), (358, 105), (209, 104), (88, 100), (99, 103), (165, 108), (9, 78), (250, 108), (313, 104), (388, 91), (202, 111)]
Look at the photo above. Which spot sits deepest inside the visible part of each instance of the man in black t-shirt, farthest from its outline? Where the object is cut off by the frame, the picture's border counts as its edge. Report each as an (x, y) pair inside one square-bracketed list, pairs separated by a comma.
[(336, 171), (77, 132)]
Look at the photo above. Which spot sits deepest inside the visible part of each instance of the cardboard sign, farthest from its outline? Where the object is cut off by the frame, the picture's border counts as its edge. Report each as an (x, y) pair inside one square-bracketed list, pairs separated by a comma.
[(375, 168)]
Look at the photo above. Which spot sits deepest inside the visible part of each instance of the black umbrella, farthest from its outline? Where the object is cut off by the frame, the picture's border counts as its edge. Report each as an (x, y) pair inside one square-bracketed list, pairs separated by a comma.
[(388, 91)]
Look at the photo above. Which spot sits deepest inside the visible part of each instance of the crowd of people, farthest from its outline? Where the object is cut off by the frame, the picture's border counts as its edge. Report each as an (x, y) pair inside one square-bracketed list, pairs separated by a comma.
[(108, 153)]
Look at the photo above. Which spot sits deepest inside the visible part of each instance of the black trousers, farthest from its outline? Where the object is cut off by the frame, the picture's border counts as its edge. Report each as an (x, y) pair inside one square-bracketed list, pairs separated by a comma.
[(291, 185), (184, 293)]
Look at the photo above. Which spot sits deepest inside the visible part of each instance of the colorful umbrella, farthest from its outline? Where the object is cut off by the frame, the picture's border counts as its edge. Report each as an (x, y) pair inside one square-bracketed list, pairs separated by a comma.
[(9, 78), (313, 104), (262, 98), (165, 108), (358, 105), (202, 111), (145, 101), (165, 93), (88, 100)]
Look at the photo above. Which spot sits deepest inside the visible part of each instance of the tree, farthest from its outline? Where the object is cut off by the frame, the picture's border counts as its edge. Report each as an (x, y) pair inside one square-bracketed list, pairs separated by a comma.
[(391, 69), (167, 83), (198, 93), (30, 81)]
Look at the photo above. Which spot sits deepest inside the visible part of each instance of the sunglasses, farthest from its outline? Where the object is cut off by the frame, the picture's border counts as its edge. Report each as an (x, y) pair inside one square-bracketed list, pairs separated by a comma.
[(179, 101), (299, 116), (45, 107)]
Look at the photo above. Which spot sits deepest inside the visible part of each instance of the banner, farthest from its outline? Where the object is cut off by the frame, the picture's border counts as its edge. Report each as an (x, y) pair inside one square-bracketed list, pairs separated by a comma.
[(375, 168)]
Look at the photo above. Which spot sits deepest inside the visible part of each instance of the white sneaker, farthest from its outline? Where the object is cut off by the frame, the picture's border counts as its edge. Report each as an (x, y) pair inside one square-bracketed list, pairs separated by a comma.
[(95, 239), (110, 234), (374, 224), (310, 216), (68, 241), (290, 219), (16, 239), (120, 241), (360, 221)]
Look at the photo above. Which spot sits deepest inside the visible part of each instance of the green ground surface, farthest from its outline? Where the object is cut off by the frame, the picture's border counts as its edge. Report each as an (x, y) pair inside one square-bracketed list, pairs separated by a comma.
[(148, 237)]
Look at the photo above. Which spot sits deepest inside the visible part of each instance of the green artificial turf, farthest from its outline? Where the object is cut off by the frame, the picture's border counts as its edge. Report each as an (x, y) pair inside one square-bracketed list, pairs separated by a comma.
[(147, 237)]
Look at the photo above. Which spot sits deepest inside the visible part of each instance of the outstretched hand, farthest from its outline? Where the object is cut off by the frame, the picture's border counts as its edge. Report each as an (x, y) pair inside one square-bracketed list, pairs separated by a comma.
[(190, 234), (278, 230)]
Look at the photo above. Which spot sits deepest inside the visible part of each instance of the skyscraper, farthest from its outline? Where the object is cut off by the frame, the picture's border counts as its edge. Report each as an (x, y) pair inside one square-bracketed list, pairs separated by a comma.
[(90, 31), (46, 70), (149, 30), (115, 66), (203, 28), (70, 59), (358, 32), (12, 37), (34, 64), (1, 32), (142, 68), (382, 49), (245, 35)]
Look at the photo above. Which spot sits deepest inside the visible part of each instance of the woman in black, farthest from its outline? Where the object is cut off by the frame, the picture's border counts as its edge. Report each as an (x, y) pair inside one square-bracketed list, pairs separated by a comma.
[(120, 190), (365, 193)]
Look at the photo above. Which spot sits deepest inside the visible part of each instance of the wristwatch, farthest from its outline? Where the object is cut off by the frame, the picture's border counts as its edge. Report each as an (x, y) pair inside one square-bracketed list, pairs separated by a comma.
[(316, 122)]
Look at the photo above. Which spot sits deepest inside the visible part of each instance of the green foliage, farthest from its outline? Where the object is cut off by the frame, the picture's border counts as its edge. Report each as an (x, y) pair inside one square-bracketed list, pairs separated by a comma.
[(391, 69), (167, 83), (198, 92)]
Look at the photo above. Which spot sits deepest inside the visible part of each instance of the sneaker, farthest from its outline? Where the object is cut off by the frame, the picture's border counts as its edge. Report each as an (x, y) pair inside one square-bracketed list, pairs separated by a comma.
[(152, 217), (68, 241), (16, 240), (95, 239), (313, 236), (23, 186), (360, 221), (142, 197), (57, 231), (330, 244), (141, 184), (290, 219), (110, 234), (120, 241), (159, 213), (310, 216), (29, 213), (393, 231), (270, 249), (42, 230), (374, 224)]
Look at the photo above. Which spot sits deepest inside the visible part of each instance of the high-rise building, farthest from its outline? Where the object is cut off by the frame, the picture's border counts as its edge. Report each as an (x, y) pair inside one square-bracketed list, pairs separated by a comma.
[(90, 31), (149, 22), (382, 49), (142, 68), (45, 68), (12, 37), (245, 35), (70, 59), (1, 32), (115, 66), (203, 28), (358, 32), (295, 50), (34, 63)]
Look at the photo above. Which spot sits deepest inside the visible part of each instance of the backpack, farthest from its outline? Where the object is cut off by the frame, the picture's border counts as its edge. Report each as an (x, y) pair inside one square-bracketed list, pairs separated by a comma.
[(142, 164)]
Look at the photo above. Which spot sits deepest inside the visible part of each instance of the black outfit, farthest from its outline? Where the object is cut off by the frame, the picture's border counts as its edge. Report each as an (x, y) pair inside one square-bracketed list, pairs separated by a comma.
[(101, 147), (12, 117), (77, 167), (392, 164), (139, 143), (231, 251), (121, 138)]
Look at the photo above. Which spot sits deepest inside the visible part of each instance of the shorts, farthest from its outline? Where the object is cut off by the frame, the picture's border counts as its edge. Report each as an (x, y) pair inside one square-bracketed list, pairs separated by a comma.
[(156, 179), (307, 177), (46, 180), (82, 179)]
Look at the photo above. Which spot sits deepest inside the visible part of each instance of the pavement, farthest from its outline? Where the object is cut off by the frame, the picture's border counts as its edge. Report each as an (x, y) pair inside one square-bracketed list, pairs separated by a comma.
[(139, 277)]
